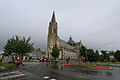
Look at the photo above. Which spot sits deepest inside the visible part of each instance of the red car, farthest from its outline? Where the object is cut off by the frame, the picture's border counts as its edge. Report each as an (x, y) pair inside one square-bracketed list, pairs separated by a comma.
[(44, 60)]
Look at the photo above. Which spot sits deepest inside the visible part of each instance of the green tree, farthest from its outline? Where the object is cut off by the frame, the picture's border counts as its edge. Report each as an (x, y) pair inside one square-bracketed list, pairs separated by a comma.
[(18, 45), (101, 58), (89, 54), (97, 55), (111, 53), (68, 60), (83, 52), (117, 55), (55, 52), (92, 57), (104, 56)]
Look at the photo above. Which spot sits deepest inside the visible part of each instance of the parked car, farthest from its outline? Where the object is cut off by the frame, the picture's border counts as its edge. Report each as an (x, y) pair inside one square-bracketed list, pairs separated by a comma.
[(44, 60), (36, 59)]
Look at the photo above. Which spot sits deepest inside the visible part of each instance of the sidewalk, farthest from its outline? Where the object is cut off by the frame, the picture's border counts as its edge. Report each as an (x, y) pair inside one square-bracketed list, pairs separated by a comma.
[(25, 64)]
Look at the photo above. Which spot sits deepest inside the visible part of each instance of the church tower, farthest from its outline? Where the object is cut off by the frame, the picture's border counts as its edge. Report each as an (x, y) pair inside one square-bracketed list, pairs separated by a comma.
[(52, 35)]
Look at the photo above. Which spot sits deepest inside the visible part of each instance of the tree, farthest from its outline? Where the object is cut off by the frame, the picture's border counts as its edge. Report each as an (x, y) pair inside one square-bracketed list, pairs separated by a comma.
[(68, 60), (117, 55), (83, 52), (97, 55), (92, 57), (18, 45), (104, 55), (55, 52), (111, 53)]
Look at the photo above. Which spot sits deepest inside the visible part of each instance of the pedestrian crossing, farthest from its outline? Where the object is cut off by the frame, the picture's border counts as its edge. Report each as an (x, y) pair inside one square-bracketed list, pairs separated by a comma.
[(19, 75), (11, 75)]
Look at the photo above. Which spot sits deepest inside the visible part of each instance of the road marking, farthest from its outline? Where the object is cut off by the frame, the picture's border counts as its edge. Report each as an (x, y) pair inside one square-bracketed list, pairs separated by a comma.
[(13, 76), (9, 73), (46, 77)]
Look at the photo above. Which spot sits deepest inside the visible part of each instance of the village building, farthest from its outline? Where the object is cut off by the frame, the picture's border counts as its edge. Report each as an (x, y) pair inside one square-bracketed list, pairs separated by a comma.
[(36, 54)]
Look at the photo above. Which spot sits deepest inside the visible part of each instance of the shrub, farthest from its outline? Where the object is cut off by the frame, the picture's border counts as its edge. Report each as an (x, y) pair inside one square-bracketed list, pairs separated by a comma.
[(68, 60)]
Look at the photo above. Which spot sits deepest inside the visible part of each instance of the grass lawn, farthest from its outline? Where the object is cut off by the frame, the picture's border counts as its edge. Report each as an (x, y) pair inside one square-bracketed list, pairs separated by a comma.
[(108, 62), (5, 65), (117, 62), (85, 64)]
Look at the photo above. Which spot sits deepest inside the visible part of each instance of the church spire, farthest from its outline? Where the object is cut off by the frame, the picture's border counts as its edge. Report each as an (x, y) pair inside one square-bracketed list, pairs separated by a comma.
[(70, 38), (53, 18), (70, 41)]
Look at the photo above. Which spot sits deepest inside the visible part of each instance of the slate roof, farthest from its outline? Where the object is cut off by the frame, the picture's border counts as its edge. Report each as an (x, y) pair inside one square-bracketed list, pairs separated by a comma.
[(70, 41), (63, 41)]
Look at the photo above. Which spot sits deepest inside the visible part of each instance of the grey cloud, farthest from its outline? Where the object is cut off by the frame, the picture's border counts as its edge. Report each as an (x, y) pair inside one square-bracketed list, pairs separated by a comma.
[(95, 22)]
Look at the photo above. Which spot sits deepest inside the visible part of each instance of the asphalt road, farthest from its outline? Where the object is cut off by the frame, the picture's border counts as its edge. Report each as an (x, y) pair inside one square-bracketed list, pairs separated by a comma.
[(49, 71)]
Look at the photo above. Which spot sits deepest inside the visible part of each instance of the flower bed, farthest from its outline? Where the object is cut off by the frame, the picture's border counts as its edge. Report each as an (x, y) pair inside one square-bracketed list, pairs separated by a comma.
[(87, 66), (99, 67), (67, 64)]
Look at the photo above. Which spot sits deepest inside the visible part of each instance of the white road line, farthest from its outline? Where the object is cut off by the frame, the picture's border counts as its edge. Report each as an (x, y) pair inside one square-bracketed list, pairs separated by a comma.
[(46, 77), (52, 79), (13, 76), (9, 73)]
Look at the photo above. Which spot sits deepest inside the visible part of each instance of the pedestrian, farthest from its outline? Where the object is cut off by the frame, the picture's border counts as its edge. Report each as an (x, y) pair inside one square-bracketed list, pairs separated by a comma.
[(17, 63), (20, 62), (13, 60)]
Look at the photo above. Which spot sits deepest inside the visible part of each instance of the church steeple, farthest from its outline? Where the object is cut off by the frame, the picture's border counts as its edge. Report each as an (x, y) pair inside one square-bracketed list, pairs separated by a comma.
[(70, 41), (70, 38), (52, 32), (53, 18)]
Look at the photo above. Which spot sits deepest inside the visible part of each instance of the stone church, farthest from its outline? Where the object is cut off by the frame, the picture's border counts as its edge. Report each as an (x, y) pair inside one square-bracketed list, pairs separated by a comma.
[(67, 49)]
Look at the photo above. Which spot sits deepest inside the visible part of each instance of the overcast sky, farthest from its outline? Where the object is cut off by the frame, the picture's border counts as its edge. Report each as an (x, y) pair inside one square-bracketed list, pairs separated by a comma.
[(95, 22)]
